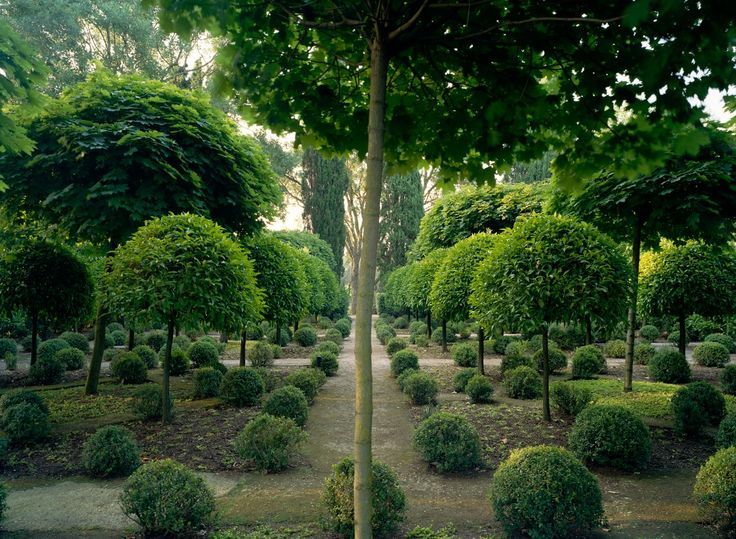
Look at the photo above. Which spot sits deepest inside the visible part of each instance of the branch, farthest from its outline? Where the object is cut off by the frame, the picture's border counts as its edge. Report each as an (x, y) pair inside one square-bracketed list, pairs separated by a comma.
[(409, 23)]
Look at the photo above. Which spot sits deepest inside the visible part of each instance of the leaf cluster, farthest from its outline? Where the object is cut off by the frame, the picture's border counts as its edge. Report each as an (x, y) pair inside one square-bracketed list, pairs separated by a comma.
[(420, 279)]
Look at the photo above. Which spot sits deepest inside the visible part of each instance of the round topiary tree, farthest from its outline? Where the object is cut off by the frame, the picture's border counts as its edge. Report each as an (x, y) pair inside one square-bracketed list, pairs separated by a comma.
[(548, 269), (419, 286), (288, 401), (180, 270), (587, 361), (269, 441), (49, 284), (669, 366), (451, 286), (242, 386), (715, 490), (111, 451), (711, 354), (203, 354), (449, 442), (688, 279)]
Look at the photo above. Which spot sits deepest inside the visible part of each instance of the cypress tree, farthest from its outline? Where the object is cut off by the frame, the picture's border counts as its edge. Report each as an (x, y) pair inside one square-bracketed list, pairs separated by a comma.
[(402, 208)]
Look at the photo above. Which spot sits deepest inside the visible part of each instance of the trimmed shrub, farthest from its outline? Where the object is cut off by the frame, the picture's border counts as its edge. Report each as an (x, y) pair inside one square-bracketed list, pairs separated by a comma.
[(522, 383), (147, 354), (203, 354), (643, 353), (649, 333), (335, 336), (147, 403), (261, 355), (288, 401), (606, 435), (8, 345), (253, 332), (343, 326), (449, 442), (726, 436), (217, 344), (285, 336), (715, 490), (72, 358), (328, 346), (402, 360), (207, 381), (437, 336), (464, 354), (383, 334), (517, 348), (587, 361), (501, 342), (557, 359), (711, 354), (395, 344), (569, 399), (269, 441), (421, 341), (696, 405), (111, 452), (11, 361), (305, 336), (417, 327), (697, 327), (403, 377), (546, 492), (305, 380), (25, 423), (276, 350), (129, 368), (183, 342), (114, 326), (674, 338), (669, 366), (461, 379), (479, 389), (46, 371), (119, 337), (512, 362), (421, 388), (319, 376), (48, 349), (76, 340), (728, 379), (23, 396), (167, 498), (324, 323), (387, 499), (242, 386), (109, 342), (179, 361), (722, 338), (111, 354), (326, 362), (270, 379), (402, 322), (615, 349)]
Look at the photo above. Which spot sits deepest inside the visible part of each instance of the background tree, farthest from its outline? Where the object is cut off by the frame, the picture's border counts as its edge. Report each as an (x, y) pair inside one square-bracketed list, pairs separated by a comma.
[(285, 163), (402, 207), (419, 285), (49, 284), (689, 197), (354, 209), (182, 271), (534, 171), (550, 269), (452, 283), (688, 279), (310, 243), (394, 299)]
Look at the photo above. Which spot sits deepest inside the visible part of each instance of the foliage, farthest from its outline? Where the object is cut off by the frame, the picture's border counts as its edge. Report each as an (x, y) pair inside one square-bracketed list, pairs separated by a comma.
[(46, 371), (334, 335), (155, 339), (728, 379), (402, 360), (119, 337), (305, 336), (643, 353), (261, 355), (344, 327), (437, 336), (147, 403), (479, 389), (464, 354), (8, 346), (546, 492), (290, 402), (242, 386), (696, 405), (404, 376), (567, 336), (711, 354), (305, 380), (325, 361), (715, 490), (722, 338), (607, 435), (207, 382), (421, 388), (522, 383), (513, 361), (71, 358), (202, 354), (669, 366), (726, 436), (420, 340), (557, 359), (147, 354), (395, 344), (165, 497), (75, 340), (23, 396), (328, 346), (311, 243), (388, 500), (402, 207), (587, 361), (269, 441), (281, 341), (25, 423), (649, 332), (394, 299), (449, 442), (615, 349), (179, 361), (48, 349), (420, 279), (129, 368), (110, 452), (570, 399), (461, 379)]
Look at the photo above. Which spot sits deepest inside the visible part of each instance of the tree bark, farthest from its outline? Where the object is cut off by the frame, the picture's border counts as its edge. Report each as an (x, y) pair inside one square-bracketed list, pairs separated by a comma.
[(429, 325), (366, 282), (545, 381), (34, 338), (682, 340), (444, 335), (630, 335), (481, 351), (278, 333), (131, 339), (95, 364), (166, 415), (242, 348)]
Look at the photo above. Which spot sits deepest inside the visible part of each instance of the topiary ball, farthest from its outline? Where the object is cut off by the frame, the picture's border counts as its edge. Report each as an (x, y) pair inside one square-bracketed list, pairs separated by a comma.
[(649, 333), (402, 360), (343, 326), (557, 359), (479, 389), (726, 436), (21, 396), (728, 379), (722, 338), (615, 349), (25, 423), (325, 361), (404, 376), (328, 346), (421, 388), (643, 353), (111, 452), (46, 371), (147, 354), (262, 354), (242, 386), (437, 336), (179, 363), (545, 491), (420, 340), (72, 358), (305, 336), (669, 366), (335, 336), (8, 346), (269, 441), (76, 340), (207, 381), (570, 399), (711, 354), (114, 326), (461, 379), (288, 401), (401, 322), (203, 354), (464, 354), (607, 435), (395, 344), (48, 349), (129, 368), (449, 442), (119, 337), (305, 380), (587, 361), (167, 498), (387, 499), (147, 403), (715, 490), (522, 383), (156, 339), (696, 405)]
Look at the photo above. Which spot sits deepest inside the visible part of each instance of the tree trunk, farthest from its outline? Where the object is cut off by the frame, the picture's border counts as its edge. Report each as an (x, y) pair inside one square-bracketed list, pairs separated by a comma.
[(354, 285), (366, 283), (429, 325), (95, 364), (630, 335), (242, 348), (545, 381), (34, 338), (296, 326), (588, 330), (481, 350), (682, 341), (278, 333), (444, 335), (166, 415), (131, 339)]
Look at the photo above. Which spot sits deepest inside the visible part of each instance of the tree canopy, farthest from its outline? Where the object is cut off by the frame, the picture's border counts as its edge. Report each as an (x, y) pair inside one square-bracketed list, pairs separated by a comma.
[(402, 208), (311, 243), (420, 279)]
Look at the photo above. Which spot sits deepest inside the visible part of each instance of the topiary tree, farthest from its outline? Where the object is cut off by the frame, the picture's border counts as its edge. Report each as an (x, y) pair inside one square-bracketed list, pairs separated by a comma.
[(394, 300), (182, 271), (451, 287), (547, 269), (47, 282), (419, 285), (688, 279)]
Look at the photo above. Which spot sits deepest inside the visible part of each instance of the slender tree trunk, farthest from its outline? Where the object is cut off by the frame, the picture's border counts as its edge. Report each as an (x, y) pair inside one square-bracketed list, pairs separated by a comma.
[(429, 325), (682, 341), (296, 326), (588, 330), (545, 381), (444, 335), (278, 333), (95, 364), (242, 348), (166, 415), (34, 337), (354, 286), (366, 283), (131, 339), (630, 335), (481, 350)]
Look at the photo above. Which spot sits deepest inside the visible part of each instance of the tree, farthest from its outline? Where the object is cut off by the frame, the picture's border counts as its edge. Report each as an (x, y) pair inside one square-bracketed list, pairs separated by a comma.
[(452, 282), (49, 284), (310, 243), (324, 184), (474, 209), (394, 299), (284, 162), (182, 271), (402, 207), (688, 279), (419, 285), (20, 73), (354, 209), (461, 86), (689, 197), (535, 171), (550, 269)]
